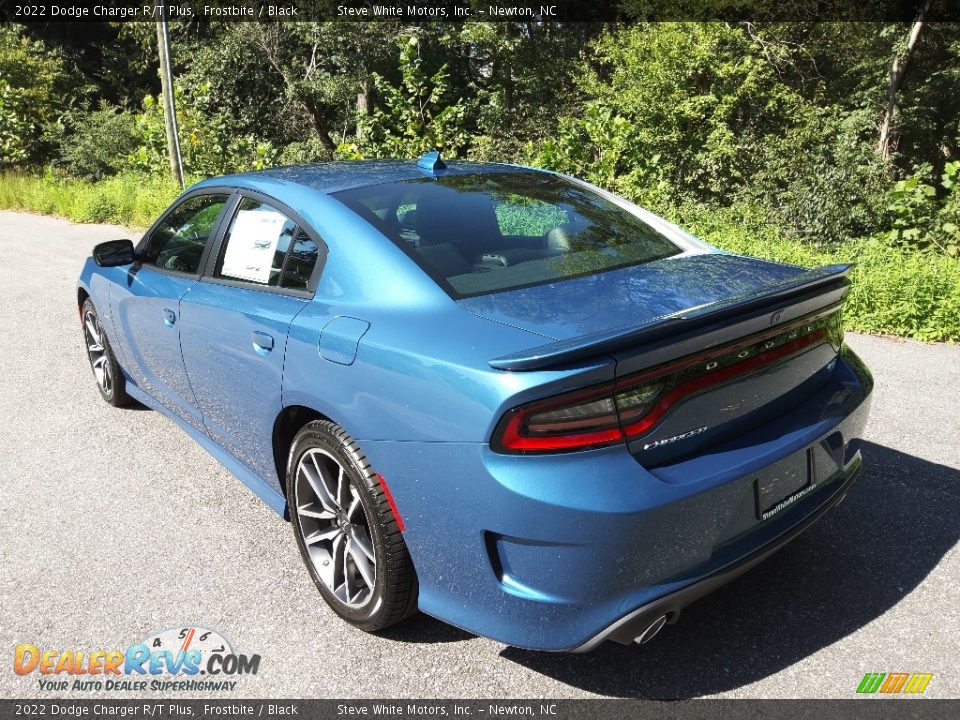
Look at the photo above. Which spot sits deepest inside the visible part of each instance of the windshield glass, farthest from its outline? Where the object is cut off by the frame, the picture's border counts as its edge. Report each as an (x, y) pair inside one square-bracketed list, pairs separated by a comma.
[(488, 232)]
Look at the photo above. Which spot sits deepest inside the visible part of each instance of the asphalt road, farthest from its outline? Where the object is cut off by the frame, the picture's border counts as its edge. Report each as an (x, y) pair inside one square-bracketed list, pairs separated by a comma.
[(115, 524)]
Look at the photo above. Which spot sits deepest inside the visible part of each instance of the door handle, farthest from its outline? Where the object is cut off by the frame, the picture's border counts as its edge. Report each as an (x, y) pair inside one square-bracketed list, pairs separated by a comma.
[(262, 341), (169, 317)]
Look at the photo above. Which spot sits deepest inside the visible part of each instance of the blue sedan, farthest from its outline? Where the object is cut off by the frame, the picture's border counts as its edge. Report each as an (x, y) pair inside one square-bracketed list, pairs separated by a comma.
[(499, 395)]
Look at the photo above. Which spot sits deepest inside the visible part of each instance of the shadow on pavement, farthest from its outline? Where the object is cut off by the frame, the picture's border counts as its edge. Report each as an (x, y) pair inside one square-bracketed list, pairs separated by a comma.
[(422, 628), (893, 528)]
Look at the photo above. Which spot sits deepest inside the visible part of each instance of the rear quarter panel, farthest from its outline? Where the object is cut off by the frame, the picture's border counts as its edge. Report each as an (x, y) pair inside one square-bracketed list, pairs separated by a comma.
[(421, 368)]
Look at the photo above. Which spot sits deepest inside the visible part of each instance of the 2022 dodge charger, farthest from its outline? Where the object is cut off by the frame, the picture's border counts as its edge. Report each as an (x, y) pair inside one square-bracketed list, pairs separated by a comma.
[(497, 394)]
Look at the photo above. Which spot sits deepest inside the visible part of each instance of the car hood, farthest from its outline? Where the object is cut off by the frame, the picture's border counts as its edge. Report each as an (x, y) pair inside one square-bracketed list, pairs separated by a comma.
[(629, 296)]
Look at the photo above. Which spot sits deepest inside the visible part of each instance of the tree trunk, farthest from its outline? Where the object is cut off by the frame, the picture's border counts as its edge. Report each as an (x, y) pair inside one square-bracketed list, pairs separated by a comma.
[(321, 129), (363, 104), (325, 139), (898, 71)]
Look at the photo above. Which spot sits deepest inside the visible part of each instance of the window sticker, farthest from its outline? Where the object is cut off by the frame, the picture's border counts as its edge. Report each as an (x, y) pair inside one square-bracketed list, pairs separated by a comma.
[(253, 241)]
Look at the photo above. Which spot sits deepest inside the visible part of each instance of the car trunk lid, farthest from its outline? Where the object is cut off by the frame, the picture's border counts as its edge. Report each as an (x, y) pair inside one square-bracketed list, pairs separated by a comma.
[(628, 297), (723, 363)]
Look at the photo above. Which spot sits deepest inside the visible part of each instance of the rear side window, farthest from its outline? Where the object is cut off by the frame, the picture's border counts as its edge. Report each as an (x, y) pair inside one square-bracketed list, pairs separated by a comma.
[(489, 232), (177, 243), (265, 247)]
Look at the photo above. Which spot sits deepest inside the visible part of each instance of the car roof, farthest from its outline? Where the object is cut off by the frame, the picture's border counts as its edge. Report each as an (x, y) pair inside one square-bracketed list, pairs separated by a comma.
[(331, 177)]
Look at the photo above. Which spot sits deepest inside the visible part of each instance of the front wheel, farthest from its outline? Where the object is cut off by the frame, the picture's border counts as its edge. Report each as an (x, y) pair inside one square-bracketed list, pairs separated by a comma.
[(346, 530), (106, 371)]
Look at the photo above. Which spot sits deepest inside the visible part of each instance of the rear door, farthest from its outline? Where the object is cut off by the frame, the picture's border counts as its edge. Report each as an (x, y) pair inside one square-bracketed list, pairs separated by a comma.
[(234, 323), (146, 308)]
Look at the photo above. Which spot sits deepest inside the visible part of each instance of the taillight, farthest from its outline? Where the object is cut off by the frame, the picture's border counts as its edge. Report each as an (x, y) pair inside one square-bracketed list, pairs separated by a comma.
[(633, 403), (617, 411), (577, 420)]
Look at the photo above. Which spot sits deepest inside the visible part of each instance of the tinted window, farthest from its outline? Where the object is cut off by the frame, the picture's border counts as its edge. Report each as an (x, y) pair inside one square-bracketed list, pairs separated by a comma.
[(488, 232), (178, 242), (265, 247), (301, 260)]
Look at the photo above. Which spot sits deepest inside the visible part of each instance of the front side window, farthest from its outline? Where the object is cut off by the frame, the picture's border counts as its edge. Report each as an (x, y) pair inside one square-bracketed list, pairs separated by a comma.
[(177, 243), (488, 232), (265, 247)]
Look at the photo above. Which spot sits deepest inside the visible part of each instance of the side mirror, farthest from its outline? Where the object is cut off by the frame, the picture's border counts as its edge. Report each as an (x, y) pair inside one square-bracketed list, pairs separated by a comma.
[(113, 253)]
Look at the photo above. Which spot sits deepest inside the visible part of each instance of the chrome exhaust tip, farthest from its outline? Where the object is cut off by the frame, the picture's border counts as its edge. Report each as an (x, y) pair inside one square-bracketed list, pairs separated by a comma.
[(651, 631)]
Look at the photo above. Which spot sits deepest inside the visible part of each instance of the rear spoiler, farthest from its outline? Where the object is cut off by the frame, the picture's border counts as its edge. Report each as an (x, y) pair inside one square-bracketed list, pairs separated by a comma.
[(565, 351)]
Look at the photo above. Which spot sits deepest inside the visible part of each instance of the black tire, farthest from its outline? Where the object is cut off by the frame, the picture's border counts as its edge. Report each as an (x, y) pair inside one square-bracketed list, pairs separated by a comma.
[(106, 372), (393, 595)]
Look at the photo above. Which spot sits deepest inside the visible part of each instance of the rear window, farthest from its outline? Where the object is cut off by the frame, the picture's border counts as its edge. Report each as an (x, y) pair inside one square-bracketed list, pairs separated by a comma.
[(487, 232)]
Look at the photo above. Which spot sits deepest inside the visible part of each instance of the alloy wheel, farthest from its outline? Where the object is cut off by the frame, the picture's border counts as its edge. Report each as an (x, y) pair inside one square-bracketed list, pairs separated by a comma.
[(335, 529), (97, 350)]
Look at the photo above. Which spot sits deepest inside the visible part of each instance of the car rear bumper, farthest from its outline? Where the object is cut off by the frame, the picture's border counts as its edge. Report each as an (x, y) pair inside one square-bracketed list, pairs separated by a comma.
[(563, 551), (632, 625)]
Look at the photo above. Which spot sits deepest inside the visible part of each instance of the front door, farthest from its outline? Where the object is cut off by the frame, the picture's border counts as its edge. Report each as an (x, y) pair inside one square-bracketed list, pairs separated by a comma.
[(147, 307)]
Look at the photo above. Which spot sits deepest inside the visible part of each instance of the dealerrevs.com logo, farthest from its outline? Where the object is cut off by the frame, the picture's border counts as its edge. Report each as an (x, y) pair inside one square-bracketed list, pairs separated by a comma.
[(894, 683), (181, 659)]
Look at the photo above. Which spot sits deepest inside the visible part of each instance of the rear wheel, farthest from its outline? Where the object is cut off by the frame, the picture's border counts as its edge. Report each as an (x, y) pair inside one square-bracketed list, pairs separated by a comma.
[(346, 530), (106, 371)]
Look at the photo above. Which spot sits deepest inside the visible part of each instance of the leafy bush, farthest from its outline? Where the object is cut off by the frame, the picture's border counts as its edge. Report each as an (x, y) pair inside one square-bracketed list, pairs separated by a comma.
[(601, 147), (905, 292), (822, 180), (698, 97), (35, 88), (209, 144), (98, 143), (417, 115), (302, 152), (683, 112), (15, 127), (921, 218)]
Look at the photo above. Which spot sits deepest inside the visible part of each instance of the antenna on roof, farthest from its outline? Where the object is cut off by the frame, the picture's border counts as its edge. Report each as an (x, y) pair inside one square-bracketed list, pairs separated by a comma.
[(431, 161)]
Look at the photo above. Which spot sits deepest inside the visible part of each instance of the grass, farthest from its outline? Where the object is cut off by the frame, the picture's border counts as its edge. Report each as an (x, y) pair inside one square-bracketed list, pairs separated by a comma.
[(897, 291), (133, 200)]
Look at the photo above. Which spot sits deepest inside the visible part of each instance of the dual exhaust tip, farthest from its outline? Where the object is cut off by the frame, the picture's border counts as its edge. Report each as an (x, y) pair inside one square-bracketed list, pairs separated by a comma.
[(651, 631)]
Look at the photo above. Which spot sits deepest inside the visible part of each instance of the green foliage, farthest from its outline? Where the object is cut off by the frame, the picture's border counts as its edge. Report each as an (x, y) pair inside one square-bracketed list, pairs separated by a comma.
[(822, 180), (15, 125), (416, 116), (208, 144), (681, 112), (921, 218), (600, 146), (35, 88), (99, 143), (698, 96), (126, 199), (905, 292), (294, 82), (928, 123), (518, 78), (241, 80), (301, 152)]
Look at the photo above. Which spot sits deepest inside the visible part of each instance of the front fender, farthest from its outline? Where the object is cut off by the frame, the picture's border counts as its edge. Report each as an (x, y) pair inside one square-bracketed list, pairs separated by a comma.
[(96, 283)]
